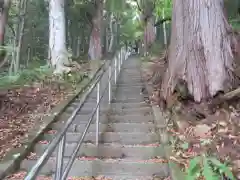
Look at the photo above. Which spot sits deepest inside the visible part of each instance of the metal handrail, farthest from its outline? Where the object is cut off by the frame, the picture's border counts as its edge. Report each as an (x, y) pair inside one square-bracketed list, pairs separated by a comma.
[(60, 139)]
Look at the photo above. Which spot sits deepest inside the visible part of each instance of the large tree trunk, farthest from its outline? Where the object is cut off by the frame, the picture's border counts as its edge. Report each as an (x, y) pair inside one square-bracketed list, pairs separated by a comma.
[(4, 8), (95, 45), (149, 34), (57, 36), (200, 49)]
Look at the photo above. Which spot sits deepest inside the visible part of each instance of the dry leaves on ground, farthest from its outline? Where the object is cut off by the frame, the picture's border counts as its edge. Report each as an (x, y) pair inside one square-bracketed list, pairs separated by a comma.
[(21, 108)]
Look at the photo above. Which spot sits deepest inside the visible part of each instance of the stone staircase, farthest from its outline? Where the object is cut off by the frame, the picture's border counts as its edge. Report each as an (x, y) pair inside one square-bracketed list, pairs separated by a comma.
[(129, 147)]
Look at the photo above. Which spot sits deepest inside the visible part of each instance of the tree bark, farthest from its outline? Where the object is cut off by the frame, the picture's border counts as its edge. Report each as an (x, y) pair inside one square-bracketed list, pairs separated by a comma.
[(111, 24), (95, 44), (20, 33), (149, 34), (57, 36), (4, 9), (200, 49)]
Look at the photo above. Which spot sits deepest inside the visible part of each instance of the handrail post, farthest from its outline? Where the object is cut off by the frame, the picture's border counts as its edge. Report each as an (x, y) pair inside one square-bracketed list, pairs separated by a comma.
[(60, 154), (115, 70), (109, 83), (121, 56), (98, 110), (123, 53), (119, 65)]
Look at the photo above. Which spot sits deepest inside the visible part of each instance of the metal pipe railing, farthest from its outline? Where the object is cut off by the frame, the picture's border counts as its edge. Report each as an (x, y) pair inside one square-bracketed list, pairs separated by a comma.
[(60, 139)]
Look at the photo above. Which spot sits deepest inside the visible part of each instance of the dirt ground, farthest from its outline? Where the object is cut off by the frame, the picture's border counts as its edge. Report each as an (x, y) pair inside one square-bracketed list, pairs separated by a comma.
[(200, 128), (23, 107)]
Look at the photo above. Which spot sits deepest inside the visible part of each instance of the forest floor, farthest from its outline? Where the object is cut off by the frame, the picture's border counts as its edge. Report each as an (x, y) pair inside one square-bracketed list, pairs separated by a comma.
[(23, 107), (198, 129)]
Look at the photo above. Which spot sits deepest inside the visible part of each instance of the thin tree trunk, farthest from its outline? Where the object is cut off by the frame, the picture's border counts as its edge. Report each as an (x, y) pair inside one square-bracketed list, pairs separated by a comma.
[(106, 36), (164, 30), (111, 24), (78, 46), (95, 45), (57, 36), (20, 33), (14, 63), (200, 49), (4, 9)]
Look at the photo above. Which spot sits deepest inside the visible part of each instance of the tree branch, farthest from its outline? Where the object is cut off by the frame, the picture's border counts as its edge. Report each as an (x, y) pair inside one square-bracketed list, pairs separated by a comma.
[(88, 17), (139, 8), (4, 60), (12, 29)]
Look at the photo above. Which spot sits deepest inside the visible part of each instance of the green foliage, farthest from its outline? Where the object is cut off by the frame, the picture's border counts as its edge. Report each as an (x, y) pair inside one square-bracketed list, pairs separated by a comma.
[(125, 12), (235, 24), (163, 5), (25, 77), (40, 74), (115, 6), (208, 167)]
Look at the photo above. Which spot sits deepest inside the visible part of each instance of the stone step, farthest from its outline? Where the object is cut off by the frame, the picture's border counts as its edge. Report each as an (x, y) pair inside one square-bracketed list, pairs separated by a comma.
[(128, 177), (82, 119), (89, 105), (130, 105), (86, 110), (129, 92), (85, 115), (110, 137), (126, 99), (104, 167), (108, 151), (113, 127), (129, 111), (130, 76), (133, 85), (129, 86), (110, 177), (131, 98), (94, 98), (117, 110), (123, 177), (129, 82), (140, 118), (109, 118)]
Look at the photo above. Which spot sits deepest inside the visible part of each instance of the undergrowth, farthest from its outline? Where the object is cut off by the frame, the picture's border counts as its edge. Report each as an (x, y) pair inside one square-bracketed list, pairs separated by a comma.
[(40, 74), (235, 24), (202, 166), (208, 167)]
